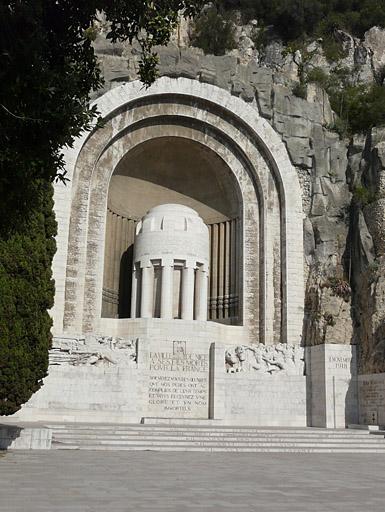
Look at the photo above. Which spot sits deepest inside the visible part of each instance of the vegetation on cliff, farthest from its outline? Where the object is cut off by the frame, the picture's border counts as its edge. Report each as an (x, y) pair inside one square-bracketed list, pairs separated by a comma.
[(359, 106), (214, 31), (293, 19)]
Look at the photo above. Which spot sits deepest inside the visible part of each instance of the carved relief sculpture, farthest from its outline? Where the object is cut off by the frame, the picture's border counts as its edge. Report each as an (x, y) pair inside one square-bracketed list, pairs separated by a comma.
[(270, 359), (94, 351)]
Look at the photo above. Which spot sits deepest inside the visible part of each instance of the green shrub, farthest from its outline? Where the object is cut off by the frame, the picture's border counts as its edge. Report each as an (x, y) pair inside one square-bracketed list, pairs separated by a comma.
[(339, 287), (260, 38), (318, 76), (333, 49), (27, 290), (300, 90), (363, 195), (360, 106), (214, 32)]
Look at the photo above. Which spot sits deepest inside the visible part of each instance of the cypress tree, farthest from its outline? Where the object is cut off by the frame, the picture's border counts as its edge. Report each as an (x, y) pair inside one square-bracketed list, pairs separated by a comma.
[(26, 293)]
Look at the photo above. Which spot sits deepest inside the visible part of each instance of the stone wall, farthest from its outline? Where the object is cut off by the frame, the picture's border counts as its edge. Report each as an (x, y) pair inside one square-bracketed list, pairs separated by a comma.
[(108, 379)]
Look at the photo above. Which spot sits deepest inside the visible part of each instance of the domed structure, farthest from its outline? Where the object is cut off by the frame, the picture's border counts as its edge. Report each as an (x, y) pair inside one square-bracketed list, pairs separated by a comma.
[(171, 262)]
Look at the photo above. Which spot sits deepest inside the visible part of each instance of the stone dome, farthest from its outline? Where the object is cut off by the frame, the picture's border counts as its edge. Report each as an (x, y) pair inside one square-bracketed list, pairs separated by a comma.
[(171, 217), (173, 231)]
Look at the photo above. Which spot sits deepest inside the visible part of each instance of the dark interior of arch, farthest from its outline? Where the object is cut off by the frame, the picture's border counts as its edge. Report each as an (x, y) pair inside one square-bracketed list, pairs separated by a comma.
[(173, 170)]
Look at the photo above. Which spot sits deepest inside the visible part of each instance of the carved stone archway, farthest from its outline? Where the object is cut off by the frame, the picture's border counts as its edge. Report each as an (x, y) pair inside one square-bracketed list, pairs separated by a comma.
[(268, 183)]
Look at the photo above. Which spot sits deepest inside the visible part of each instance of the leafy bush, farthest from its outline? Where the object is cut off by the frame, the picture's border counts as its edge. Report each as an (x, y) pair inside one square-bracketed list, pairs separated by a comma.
[(339, 287), (27, 291), (318, 76), (214, 32), (359, 106), (299, 90), (332, 48), (363, 195)]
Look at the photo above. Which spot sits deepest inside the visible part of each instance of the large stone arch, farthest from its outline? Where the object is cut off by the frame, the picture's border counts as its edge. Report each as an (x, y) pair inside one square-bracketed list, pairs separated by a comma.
[(227, 125)]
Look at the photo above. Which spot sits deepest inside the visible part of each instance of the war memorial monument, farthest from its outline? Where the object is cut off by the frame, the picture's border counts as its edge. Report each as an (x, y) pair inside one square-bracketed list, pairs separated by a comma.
[(202, 240)]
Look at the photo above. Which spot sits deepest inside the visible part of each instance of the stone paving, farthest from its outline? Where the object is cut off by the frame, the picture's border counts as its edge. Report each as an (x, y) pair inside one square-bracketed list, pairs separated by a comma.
[(73, 481)]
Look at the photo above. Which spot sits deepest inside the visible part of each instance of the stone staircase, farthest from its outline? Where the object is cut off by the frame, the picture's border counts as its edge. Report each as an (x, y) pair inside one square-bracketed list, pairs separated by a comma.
[(214, 439)]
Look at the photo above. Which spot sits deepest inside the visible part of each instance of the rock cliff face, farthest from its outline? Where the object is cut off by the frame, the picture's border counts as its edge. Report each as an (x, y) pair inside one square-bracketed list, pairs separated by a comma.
[(343, 182), (366, 172)]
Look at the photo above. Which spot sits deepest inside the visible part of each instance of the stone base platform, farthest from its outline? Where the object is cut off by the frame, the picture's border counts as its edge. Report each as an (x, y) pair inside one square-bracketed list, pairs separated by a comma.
[(25, 437)]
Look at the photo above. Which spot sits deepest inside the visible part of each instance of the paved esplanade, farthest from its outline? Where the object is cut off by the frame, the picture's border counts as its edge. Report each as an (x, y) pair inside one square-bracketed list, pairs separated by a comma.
[(57, 481)]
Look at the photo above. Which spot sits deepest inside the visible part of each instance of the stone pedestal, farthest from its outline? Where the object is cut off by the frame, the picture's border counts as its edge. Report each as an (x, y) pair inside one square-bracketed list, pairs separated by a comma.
[(331, 385)]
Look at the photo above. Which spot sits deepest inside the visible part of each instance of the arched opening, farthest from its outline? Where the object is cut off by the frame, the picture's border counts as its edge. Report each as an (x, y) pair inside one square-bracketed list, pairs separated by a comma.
[(180, 171), (234, 138)]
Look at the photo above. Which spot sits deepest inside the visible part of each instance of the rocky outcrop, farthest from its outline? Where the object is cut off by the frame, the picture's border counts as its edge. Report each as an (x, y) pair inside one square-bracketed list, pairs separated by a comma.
[(367, 247)]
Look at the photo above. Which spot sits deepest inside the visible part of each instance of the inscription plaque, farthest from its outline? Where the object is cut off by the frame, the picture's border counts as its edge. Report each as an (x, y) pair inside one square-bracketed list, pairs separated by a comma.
[(371, 400), (178, 383)]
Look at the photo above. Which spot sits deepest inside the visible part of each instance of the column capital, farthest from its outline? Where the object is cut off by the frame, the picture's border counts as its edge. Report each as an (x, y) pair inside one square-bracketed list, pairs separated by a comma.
[(167, 260), (190, 263), (145, 263)]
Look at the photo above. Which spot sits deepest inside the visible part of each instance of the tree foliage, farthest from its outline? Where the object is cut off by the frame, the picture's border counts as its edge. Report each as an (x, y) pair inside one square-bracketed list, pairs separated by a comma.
[(359, 106), (47, 70), (26, 293), (214, 31), (298, 18)]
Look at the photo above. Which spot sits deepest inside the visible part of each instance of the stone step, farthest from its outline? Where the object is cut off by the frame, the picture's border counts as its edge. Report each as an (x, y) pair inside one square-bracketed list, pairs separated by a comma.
[(135, 435), (218, 449), (267, 431), (75, 435), (203, 438), (309, 432), (261, 444), (198, 439)]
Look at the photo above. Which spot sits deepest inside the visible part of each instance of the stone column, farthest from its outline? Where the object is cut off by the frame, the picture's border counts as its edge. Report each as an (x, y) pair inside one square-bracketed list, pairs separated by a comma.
[(221, 268), (167, 292), (201, 306), (147, 298), (214, 273), (134, 291), (188, 293)]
